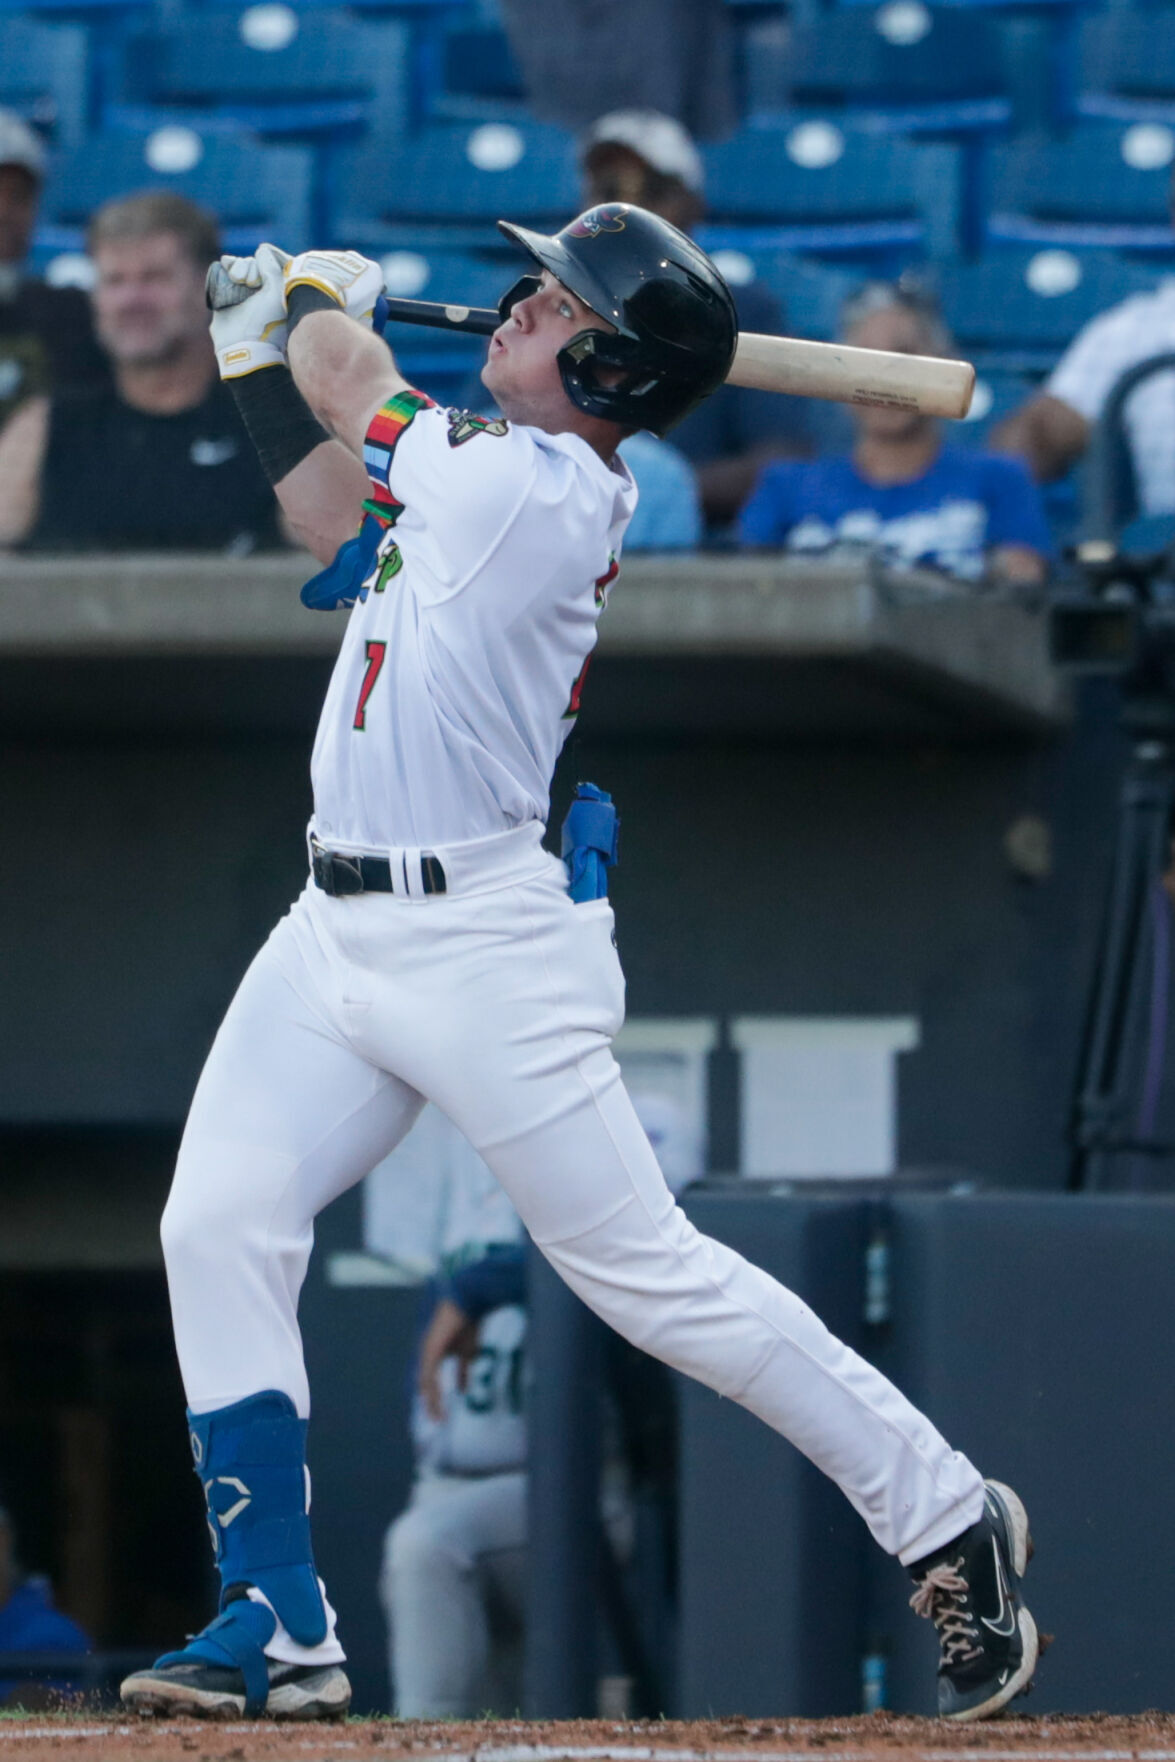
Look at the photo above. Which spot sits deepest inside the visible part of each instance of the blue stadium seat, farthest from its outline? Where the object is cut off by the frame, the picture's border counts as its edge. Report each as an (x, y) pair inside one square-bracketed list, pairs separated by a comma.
[(1126, 66), (810, 293), (256, 192), (478, 77), (446, 186), (1104, 186), (1017, 311), (268, 69), (815, 186), (906, 67), (44, 72)]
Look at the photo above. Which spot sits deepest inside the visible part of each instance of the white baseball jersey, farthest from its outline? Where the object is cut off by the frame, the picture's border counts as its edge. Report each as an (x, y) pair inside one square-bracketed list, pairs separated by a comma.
[(484, 1427), (1099, 355), (459, 674)]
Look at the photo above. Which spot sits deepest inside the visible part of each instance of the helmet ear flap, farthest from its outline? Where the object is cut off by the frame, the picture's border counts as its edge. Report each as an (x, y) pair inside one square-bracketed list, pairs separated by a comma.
[(523, 288)]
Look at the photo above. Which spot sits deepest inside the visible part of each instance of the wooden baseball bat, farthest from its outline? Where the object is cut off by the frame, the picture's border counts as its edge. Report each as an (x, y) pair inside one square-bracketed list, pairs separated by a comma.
[(925, 383)]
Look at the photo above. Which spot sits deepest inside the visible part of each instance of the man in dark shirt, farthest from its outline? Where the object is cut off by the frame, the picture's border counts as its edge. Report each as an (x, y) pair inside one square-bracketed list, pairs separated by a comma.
[(158, 460), (46, 337), (644, 157)]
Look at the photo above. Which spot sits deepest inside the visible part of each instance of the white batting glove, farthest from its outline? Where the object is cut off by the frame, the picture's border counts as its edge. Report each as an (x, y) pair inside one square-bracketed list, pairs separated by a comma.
[(355, 282), (248, 301)]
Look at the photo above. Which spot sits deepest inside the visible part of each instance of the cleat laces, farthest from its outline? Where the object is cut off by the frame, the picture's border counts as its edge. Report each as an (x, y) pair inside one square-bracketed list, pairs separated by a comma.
[(943, 1596)]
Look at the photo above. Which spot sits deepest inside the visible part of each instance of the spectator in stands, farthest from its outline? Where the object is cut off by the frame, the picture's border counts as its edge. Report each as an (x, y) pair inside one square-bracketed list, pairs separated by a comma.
[(900, 491), (1051, 430), (29, 1622), (643, 157), (669, 512), (46, 337), (159, 459)]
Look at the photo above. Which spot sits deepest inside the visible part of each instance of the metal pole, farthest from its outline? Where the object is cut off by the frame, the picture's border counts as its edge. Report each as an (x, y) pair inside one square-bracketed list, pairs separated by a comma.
[(564, 1407)]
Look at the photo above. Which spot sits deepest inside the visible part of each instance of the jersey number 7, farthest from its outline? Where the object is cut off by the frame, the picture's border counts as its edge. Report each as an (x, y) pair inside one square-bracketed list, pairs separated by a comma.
[(376, 651)]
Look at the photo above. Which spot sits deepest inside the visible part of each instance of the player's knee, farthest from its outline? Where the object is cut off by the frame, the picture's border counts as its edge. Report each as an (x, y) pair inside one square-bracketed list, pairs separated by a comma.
[(196, 1225)]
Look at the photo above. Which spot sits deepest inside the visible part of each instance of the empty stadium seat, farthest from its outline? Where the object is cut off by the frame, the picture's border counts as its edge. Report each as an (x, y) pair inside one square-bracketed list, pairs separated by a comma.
[(44, 74), (256, 191), (905, 66), (448, 185), (1104, 186), (478, 77), (815, 186), (1126, 66), (1018, 311), (810, 293), (266, 68)]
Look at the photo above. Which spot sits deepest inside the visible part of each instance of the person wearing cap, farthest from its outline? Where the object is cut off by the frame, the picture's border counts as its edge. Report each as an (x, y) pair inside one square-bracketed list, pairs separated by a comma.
[(900, 492), (644, 157), (46, 335), (30, 1623)]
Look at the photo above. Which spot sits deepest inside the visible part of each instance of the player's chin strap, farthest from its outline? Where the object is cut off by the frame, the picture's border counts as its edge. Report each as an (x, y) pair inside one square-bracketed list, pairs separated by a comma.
[(591, 842), (251, 1460)]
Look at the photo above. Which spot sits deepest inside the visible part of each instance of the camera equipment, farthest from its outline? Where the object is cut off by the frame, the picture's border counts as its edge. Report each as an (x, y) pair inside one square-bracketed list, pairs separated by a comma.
[(1122, 622)]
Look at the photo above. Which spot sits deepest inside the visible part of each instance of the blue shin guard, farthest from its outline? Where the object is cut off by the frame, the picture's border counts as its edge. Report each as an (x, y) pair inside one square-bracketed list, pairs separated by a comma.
[(251, 1460)]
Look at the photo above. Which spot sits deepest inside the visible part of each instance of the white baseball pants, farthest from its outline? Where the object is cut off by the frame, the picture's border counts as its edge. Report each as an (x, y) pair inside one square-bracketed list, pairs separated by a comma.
[(497, 1000), (452, 1561)]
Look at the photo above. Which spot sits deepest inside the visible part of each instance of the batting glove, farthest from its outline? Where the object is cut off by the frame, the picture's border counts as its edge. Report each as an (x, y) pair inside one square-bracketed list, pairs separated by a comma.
[(355, 282), (248, 301)]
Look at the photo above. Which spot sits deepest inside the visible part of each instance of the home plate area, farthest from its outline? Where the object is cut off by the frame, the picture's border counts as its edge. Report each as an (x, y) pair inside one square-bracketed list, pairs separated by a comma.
[(1145, 1737)]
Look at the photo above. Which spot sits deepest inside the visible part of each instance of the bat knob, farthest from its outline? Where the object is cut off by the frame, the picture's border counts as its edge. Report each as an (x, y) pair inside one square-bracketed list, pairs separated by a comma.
[(380, 316), (221, 291)]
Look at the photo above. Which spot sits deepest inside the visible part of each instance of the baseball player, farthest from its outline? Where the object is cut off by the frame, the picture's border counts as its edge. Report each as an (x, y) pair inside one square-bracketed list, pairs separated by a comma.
[(436, 952)]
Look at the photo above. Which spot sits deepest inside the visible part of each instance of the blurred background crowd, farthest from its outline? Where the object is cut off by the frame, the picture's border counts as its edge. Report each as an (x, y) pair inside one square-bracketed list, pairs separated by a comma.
[(983, 178), (987, 179)]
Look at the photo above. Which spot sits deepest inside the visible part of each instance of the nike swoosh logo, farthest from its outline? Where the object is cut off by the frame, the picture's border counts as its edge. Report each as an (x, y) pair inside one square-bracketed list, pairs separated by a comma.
[(1004, 1624)]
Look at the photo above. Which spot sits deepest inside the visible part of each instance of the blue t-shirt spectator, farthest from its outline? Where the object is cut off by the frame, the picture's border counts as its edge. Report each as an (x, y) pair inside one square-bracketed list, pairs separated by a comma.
[(668, 514), (962, 508)]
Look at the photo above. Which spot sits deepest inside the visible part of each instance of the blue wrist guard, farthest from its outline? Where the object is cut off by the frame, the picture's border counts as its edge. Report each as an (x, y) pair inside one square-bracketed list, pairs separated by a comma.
[(591, 842), (251, 1460)]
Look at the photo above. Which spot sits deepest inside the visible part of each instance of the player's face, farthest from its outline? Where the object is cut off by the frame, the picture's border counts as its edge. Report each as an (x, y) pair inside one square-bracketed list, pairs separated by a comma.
[(148, 300), (18, 211), (521, 369)]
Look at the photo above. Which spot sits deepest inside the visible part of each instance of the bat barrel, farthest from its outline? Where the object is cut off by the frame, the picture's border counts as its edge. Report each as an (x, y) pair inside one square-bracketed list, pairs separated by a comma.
[(925, 383)]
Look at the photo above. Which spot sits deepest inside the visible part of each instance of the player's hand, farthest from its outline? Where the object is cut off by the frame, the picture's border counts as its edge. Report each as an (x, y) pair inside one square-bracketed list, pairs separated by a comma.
[(248, 301), (355, 282), (450, 1334)]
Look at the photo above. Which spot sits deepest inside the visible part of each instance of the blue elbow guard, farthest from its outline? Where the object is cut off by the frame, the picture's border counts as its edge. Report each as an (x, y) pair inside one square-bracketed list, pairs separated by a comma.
[(591, 842), (339, 583), (251, 1460)]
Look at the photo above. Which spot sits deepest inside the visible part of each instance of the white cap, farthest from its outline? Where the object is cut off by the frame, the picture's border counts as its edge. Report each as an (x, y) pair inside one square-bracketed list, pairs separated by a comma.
[(659, 140), (20, 146)]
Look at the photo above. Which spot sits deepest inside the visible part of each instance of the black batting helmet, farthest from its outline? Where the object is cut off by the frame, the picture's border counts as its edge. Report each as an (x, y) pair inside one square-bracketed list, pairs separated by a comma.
[(675, 320)]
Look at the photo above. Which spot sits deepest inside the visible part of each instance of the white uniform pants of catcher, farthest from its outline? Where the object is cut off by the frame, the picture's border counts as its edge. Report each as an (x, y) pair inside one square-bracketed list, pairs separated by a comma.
[(453, 1579), (496, 1000)]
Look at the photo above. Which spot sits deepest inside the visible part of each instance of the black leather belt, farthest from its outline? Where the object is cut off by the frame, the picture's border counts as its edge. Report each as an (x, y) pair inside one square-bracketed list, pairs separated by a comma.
[(338, 875)]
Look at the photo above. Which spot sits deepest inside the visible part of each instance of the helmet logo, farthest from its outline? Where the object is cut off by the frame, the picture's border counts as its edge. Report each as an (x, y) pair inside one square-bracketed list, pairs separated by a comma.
[(608, 217)]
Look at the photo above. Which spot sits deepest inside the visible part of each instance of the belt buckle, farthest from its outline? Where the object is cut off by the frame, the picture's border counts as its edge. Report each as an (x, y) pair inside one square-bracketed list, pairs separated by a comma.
[(337, 875)]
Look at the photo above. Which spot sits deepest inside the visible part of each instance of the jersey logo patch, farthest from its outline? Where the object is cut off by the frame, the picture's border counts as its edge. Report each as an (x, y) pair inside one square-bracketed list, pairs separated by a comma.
[(388, 563), (463, 425)]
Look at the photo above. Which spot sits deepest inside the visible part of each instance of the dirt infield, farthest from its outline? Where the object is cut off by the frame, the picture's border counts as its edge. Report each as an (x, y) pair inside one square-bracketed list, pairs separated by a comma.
[(1146, 1737)]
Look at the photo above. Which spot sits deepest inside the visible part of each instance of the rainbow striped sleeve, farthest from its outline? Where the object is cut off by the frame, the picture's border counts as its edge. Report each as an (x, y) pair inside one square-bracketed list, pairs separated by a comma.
[(383, 433)]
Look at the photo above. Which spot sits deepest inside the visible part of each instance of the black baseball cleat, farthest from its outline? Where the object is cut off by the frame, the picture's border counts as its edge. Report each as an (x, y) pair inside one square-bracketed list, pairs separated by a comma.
[(203, 1690), (971, 1591)]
